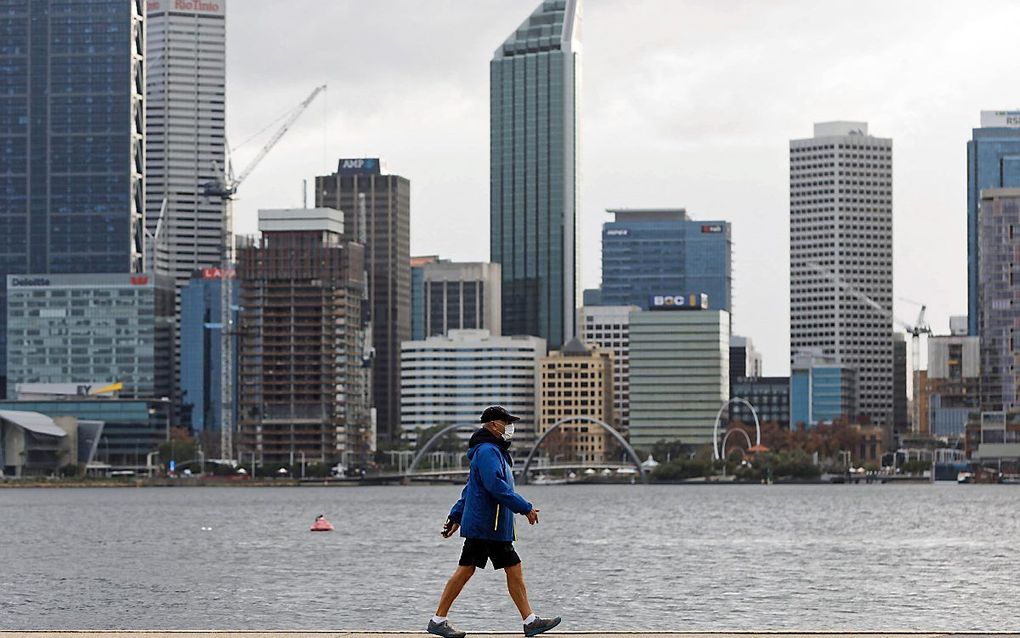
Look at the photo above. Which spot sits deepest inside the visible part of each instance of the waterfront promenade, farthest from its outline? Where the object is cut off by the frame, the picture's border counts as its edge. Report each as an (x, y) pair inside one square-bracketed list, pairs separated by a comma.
[(572, 634)]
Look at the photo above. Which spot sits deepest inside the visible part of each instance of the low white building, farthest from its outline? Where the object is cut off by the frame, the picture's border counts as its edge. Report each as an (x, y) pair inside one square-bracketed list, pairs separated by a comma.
[(450, 379)]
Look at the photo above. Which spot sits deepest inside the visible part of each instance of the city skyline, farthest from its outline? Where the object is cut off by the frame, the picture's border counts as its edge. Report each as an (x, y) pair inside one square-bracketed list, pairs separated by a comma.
[(667, 114)]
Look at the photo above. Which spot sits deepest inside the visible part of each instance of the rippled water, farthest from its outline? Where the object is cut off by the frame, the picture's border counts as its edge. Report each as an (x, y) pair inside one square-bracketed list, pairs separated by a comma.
[(878, 557)]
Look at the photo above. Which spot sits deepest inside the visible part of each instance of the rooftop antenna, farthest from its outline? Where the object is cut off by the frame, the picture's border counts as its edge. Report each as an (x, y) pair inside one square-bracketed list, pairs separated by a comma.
[(304, 193)]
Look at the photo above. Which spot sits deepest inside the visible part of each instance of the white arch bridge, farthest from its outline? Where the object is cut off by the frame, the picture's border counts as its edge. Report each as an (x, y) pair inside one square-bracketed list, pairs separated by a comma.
[(632, 455)]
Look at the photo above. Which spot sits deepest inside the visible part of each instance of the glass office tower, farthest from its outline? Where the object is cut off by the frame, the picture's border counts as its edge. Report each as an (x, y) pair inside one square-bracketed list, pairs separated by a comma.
[(71, 124), (648, 252), (993, 161), (534, 82)]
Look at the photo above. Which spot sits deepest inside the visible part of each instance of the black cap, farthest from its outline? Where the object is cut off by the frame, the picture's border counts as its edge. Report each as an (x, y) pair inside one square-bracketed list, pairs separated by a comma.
[(498, 413)]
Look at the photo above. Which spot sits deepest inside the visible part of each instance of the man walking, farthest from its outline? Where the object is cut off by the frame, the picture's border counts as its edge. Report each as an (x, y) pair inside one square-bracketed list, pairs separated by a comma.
[(485, 516)]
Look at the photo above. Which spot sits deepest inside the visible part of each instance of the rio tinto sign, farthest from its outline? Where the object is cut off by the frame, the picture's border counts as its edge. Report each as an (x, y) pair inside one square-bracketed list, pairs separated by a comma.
[(212, 7)]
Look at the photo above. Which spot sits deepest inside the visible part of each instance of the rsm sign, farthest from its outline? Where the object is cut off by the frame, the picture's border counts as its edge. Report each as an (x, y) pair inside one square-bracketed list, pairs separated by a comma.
[(359, 166), (693, 301)]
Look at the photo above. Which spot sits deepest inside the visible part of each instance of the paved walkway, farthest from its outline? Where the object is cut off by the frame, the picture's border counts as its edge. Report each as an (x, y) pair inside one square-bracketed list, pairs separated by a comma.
[(357, 634)]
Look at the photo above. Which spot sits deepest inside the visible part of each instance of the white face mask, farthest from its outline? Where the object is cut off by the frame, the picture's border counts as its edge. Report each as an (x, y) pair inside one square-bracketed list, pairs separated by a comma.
[(508, 432)]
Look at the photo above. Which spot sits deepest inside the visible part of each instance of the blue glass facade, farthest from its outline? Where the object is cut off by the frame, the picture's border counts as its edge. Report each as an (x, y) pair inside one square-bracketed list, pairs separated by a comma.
[(202, 351), (993, 161), (533, 178), (654, 252), (71, 160), (417, 302), (821, 393)]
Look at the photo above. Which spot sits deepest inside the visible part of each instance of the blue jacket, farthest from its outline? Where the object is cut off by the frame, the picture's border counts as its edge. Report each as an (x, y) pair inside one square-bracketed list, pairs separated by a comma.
[(488, 503)]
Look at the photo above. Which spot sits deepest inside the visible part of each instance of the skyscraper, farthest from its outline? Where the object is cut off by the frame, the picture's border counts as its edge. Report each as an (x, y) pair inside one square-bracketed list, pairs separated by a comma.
[(840, 248), (533, 95), (993, 161), (72, 82), (998, 289), (301, 376), (661, 251), (184, 135), (377, 214)]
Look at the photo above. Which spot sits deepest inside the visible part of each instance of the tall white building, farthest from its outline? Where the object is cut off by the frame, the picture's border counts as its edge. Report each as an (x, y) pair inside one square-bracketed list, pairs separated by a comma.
[(451, 379), (608, 327), (841, 248), (184, 135)]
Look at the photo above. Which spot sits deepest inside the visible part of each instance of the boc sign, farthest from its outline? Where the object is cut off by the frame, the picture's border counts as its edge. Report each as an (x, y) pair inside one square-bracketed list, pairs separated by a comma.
[(694, 301)]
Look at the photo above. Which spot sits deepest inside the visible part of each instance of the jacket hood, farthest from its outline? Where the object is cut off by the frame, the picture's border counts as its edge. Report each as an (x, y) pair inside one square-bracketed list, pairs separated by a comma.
[(482, 435)]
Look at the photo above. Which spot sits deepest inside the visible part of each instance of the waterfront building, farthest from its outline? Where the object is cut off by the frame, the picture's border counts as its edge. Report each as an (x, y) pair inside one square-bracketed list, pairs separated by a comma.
[(992, 440), (72, 83), (999, 318), (745, 360), (649, 251), (841, 241), (448, 379), (302, 376), (115, 432), (821, 390), (576, 380), (608, 328), (951, 385), (993, 161), (534, 91), (36, 444), (418, 294), (91, 328), (770, 397), (204, 394), (460, 296), (377, 214), (185, 137), (679, 374)]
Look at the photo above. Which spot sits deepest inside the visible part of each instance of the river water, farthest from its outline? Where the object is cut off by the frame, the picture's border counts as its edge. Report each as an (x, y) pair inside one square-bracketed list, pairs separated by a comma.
[(843, 557)]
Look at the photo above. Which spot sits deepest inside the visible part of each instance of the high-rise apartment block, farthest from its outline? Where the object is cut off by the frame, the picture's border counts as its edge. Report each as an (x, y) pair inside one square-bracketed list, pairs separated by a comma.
[(91, 329), (185, 136), (608, 329), (449, 379), (377, 213), (952, 383), (303, 384), (821, 390), (998, 292), (647, 252), (71, 127), (679, 374), (840, 247), (576, 381), (460, 296), (993, 161), (533, 108)]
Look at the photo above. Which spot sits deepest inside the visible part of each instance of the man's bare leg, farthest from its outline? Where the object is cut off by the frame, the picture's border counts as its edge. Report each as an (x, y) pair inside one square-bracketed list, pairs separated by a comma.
[(518, 590), (454, 587)]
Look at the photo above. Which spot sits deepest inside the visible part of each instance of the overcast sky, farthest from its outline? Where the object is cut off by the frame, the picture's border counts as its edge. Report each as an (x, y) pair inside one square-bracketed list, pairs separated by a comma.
[(684, 103)]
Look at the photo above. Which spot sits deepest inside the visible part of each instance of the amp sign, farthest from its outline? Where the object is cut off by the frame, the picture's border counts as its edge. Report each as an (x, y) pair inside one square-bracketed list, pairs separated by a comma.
[(694, 301), (359, 166)]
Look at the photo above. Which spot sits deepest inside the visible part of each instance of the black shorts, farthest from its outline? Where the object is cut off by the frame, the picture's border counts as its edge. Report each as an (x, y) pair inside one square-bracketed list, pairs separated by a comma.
[(478, 551)]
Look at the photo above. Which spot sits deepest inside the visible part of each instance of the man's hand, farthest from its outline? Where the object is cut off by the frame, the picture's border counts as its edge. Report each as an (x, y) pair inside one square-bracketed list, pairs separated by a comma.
[(450, 528), (532, 516)]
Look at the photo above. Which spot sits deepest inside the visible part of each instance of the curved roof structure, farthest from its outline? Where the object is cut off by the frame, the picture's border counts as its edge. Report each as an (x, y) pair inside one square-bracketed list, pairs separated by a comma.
[(34, 422)]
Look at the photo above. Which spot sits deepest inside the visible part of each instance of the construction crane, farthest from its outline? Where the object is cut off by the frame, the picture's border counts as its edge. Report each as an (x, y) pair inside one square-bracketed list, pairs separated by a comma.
[(225, 184), (915, 330), (224, 187)]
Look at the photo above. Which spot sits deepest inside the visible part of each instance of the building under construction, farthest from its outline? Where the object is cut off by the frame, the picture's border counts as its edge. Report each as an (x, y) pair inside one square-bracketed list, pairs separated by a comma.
[(304, 392)]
